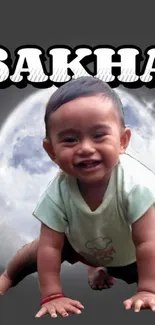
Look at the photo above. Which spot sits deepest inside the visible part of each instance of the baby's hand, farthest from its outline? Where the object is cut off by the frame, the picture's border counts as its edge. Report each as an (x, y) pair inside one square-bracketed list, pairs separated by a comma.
[(63, 306), (142, 300)]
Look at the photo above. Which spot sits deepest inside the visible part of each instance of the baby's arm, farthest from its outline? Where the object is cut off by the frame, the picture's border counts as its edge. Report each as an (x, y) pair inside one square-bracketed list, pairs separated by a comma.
[(49, 265), (143, 234), (49, 261)]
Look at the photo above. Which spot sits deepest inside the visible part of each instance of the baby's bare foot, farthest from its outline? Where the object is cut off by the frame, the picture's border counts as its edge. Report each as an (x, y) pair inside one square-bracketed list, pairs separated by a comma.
[(98, 278), (5, 283)]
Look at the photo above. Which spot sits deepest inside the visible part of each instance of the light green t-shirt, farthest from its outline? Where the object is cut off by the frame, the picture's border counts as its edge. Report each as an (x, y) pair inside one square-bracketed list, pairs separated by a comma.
[(102, 236)]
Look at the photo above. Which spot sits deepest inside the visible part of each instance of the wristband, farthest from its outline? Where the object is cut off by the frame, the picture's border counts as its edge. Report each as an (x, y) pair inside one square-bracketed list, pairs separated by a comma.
[(49, 298)]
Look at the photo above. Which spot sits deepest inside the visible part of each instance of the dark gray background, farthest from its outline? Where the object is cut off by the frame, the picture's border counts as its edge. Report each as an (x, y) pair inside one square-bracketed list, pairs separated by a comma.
[(71, 23)]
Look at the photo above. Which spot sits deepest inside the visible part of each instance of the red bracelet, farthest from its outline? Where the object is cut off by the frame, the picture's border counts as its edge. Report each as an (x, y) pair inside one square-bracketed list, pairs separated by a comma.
[(49, 298)]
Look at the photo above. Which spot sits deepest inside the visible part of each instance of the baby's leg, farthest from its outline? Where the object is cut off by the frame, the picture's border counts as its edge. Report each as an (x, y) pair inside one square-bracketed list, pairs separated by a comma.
[(101, 278), (127, 273), (98, 278), (22, 264), (25, 263)]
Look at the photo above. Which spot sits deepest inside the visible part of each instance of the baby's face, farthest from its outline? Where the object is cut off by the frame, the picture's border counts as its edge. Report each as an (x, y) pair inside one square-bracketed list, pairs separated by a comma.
[(87, 138)]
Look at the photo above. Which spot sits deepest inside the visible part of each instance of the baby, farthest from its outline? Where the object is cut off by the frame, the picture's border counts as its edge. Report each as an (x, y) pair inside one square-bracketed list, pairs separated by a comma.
[(100, 207)]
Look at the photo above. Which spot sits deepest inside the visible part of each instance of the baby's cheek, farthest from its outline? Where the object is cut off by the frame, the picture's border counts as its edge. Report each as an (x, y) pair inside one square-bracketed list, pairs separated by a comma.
[(64, 155), (110, 156)]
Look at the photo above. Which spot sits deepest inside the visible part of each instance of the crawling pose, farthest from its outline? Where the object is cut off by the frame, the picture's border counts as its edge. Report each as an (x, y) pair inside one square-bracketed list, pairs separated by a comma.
[(98, 210), (25, 263)]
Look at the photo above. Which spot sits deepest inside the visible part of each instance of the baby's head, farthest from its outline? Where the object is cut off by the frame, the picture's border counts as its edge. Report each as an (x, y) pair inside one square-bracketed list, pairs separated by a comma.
[(82, 87), (85, 129)]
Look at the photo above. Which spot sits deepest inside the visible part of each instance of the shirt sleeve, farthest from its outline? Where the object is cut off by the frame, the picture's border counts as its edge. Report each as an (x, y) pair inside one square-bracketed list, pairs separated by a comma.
[(139, 200), (51, 214)]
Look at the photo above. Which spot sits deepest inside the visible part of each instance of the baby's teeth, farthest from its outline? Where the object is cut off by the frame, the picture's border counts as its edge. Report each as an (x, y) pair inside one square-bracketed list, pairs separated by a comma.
[(90, 165)]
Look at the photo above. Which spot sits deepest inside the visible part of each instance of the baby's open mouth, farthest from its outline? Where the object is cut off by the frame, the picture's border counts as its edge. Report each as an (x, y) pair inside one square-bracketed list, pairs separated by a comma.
[(88, 163)]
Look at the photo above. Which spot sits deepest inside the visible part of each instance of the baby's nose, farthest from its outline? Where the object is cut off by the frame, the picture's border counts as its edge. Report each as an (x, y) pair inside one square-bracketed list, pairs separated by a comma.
[(86, 148)]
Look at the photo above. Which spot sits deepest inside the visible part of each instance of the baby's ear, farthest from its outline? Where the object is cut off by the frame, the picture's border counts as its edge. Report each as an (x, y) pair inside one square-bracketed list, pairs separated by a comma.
[(49, 149), (125, 139)]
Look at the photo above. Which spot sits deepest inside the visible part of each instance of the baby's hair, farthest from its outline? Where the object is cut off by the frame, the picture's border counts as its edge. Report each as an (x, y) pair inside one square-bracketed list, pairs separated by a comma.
[(82, 87)]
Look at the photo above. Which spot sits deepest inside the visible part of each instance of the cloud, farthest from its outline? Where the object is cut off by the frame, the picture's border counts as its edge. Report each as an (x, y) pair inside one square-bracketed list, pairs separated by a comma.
[(98, 243)]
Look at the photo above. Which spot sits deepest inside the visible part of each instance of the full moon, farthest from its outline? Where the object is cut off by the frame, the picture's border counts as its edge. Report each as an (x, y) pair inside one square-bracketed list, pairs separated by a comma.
[(26, 170)]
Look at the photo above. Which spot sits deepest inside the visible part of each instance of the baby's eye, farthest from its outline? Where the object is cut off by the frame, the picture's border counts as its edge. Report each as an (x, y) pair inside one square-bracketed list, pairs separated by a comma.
[(70, 140), (98, 135)]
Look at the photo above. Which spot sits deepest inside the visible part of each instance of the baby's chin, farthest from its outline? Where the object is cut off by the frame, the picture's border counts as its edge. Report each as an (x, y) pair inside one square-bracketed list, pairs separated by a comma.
[(94, 181)]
